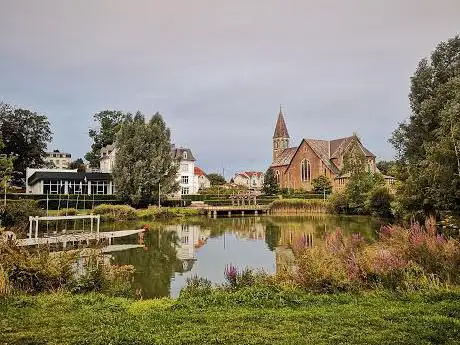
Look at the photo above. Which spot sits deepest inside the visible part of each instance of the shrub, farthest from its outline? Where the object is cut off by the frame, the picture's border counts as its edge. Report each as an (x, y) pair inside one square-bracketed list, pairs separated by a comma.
[(115, 212), (245, 278), (67, 212), (196, 286), (379, 202), (16, 214), (338, 203)]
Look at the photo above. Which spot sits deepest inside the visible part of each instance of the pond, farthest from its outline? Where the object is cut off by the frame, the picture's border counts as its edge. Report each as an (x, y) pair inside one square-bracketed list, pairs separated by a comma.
[(172, 252)]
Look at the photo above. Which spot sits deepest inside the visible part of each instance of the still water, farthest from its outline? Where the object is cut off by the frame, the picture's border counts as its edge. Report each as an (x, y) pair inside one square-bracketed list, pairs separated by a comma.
[(169, 253)]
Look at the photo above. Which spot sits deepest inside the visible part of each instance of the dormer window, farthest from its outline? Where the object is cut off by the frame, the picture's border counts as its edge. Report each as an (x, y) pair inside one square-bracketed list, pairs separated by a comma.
[(184, 154)]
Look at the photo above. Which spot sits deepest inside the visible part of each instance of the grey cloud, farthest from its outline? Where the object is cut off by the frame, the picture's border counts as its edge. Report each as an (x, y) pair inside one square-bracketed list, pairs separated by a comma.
[(219, 70)]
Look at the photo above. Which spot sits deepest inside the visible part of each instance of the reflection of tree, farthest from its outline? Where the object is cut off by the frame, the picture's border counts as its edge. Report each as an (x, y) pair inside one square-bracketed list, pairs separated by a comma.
[(155, 265), (272, 235)]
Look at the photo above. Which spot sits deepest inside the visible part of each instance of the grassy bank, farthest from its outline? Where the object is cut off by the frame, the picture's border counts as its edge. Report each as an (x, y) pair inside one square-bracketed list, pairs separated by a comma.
[(248, 316)]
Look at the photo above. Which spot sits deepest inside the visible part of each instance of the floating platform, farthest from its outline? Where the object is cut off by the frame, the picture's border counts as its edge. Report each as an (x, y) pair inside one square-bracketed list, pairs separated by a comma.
[(81, 237)]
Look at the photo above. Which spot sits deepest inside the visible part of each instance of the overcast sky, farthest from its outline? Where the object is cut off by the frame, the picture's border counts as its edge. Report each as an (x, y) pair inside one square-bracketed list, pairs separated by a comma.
[(218, 70)]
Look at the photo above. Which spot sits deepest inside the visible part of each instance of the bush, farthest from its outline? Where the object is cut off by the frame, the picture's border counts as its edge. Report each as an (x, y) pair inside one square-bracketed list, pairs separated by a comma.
[(16, 214), (67, 212), (379, 202), (196, 286), (115, 212)]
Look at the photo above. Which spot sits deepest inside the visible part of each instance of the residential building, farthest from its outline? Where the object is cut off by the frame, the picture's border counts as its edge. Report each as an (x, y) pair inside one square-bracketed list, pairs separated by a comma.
[(250, 179), (61, 160), (185, 176), (296, 167), (67, 181), (107, 161), (201, 179)]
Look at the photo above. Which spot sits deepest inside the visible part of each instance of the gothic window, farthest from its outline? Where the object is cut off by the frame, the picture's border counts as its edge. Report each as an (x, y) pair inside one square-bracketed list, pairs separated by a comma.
[(305, 171), (277, 176)]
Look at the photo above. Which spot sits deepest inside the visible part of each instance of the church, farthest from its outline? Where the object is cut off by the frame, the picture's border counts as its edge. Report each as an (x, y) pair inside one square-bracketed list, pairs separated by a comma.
[(296, 167)]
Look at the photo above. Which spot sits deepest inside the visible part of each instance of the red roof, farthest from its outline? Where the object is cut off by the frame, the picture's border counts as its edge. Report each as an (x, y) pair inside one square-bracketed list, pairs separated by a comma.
[(199, 172), (249, 174)]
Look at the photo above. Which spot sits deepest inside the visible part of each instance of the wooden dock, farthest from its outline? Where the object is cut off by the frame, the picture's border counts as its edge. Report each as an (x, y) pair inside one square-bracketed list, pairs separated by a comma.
[(236, 209), (77, 237)]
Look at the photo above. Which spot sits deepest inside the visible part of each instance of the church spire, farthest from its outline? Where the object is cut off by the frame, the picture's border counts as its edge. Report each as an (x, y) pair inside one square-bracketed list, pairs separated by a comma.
[(281, 129)]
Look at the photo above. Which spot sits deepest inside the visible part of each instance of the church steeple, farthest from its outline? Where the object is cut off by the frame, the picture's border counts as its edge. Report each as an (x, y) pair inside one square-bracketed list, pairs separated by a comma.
[(281, 129), (281, 135)]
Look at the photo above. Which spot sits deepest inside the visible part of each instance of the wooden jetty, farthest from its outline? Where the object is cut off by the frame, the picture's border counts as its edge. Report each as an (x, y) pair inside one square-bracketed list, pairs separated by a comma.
[(77, 237), (236, 209)]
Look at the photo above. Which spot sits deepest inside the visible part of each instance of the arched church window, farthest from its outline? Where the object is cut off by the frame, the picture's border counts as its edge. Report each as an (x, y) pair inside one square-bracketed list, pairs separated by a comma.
[(305, 171), (277, 176)]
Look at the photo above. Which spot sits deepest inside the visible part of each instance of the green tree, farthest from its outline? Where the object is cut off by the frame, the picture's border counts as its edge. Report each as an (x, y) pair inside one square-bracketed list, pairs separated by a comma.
[(143, 161), (78, 164), (26, 135), (216, 179), (427, 144), (6, 168), (386, 167), (379, 202), (270, 184), (322, 184), (108, 124)]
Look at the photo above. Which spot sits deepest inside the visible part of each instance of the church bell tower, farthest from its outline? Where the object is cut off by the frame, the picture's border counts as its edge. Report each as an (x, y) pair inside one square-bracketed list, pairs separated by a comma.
[(281, 136)]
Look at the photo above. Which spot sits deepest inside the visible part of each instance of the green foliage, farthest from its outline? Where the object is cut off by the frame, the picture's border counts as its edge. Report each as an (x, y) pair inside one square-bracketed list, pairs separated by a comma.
[(25, 134), (427, 145), (386, 167), (108, 125), (6, 166), (115, 212), (16, 213), (216, 179), (322, 184), (78, 164), (271, 186), (379, 202), (144, 160)]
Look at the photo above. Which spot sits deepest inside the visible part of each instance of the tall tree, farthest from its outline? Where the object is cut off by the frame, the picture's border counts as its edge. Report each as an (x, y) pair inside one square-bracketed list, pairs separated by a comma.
[(24, 134), (144, 161), (271, 186), (108, 124), (216, 179), (78, 164), (426, 144), (6, 167)]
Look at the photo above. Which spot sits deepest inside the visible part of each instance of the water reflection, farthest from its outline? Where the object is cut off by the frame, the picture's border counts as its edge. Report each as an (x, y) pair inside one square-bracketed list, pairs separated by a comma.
[(174, 252)]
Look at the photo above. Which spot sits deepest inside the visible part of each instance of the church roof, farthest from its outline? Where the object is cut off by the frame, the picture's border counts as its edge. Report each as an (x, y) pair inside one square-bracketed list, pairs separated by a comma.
[(285, 157), (326, 150), (338, 145), (281, 128)]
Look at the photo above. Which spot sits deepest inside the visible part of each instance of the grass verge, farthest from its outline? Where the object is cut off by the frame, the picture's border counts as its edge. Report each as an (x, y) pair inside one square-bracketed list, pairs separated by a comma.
[(247, 316)]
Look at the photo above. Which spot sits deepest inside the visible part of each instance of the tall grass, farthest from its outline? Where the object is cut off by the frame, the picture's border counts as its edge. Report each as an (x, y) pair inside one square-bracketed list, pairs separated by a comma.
[(299, 206)]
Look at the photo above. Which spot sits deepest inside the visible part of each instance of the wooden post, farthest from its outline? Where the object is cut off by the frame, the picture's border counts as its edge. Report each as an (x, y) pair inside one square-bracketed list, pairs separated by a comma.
[(30, 226), (91, 223), (98, 224), (36, 227)]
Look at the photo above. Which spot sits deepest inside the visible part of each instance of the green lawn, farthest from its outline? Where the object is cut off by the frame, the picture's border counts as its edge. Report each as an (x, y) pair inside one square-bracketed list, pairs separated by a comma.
[(251, 316)]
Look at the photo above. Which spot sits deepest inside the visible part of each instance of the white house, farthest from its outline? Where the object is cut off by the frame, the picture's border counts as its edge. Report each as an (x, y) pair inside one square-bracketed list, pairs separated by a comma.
[(107, 161), (201, 179), (250, 179), (61, 160), (185, 176)]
